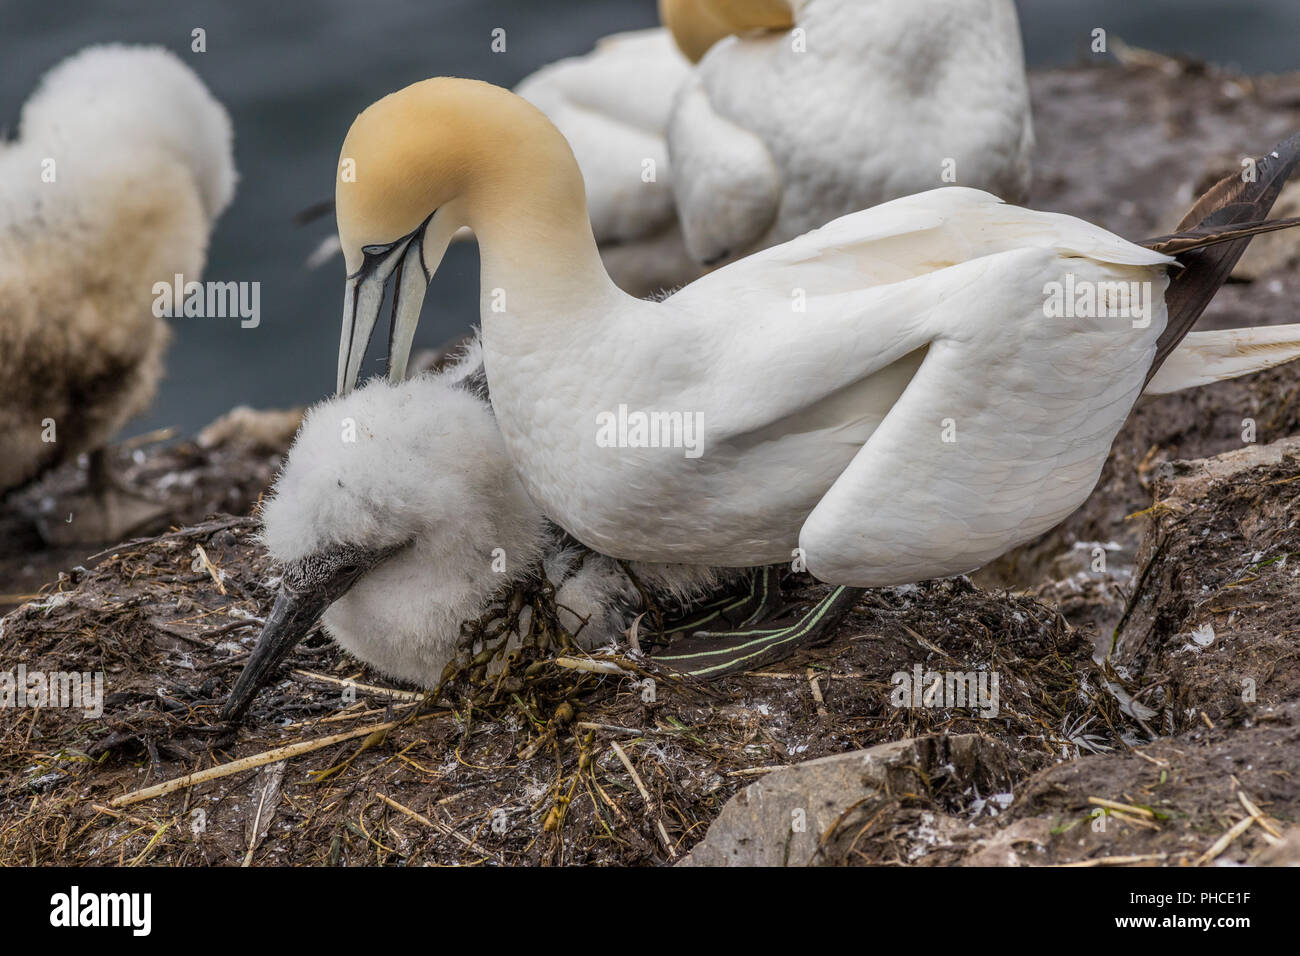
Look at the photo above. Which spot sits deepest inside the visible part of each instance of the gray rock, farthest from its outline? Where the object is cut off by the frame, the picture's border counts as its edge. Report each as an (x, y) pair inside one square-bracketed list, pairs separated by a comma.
[(794, 816), (1189, 481)]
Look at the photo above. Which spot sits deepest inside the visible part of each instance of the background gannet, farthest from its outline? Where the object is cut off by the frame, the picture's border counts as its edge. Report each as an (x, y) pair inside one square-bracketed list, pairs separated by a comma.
[(398, 516), (921, 413), (613, 105), (122, 163), (838, 105), (696, 25), (771, 142)]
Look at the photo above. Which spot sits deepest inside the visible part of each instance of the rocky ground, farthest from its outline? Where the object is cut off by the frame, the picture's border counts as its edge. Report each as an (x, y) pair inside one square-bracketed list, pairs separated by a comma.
[(1146, 650)]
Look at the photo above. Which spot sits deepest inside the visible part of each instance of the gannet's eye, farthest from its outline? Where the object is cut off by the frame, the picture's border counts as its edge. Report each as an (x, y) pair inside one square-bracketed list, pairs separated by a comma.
[(376, 256)]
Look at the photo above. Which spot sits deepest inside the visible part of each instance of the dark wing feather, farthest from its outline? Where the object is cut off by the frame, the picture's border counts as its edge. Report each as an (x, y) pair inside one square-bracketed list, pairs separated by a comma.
[(1214, 235)]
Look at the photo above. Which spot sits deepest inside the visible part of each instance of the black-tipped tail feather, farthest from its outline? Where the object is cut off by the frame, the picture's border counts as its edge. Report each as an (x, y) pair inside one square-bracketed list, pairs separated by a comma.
[(1213, 236)]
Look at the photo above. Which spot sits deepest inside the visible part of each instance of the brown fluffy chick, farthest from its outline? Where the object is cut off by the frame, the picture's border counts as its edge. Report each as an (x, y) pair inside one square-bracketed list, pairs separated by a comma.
[(122, 163)]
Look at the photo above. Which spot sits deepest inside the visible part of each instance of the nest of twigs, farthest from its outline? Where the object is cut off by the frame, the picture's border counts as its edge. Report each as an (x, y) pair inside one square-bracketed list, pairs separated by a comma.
[(534, 754)]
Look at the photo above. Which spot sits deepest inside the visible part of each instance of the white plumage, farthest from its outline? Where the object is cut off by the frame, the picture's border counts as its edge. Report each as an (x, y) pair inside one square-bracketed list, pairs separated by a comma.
[(896, 395), (122, 163), (824, 428), (862, 101)]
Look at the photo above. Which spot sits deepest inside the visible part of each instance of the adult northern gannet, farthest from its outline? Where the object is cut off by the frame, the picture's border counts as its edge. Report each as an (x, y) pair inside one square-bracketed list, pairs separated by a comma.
[(819, 108), (905, 393), (122, 163), (398, 516)]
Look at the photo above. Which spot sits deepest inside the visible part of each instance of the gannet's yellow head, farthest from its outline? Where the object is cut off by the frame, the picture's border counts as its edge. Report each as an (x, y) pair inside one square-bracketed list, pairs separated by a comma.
[(698, 24), (693, 27), (415, 167)]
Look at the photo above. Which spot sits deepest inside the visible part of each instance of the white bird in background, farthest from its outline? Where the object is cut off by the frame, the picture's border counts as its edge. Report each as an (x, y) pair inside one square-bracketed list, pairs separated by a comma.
[(122, 164), (889, 398), (613, 105), (798, 112), (398, 516), (819, 108)]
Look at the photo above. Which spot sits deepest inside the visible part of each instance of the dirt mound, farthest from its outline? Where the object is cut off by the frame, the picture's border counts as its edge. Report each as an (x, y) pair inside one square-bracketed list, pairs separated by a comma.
[(1212, 623), (1169, 802)]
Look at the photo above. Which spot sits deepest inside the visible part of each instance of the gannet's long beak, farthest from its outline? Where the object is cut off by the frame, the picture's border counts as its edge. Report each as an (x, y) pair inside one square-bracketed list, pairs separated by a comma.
[(412, 259), (363, 296), (291, 617), (412, 283)]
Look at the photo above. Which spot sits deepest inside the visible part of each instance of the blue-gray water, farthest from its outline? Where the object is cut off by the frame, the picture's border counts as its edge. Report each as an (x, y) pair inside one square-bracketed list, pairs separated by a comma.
[(294, 74)]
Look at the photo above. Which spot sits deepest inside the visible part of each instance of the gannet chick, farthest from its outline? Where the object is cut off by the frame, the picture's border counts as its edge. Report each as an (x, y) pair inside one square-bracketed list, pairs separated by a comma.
[(833, 106), (905, 393), (398, 516), (122, 163)]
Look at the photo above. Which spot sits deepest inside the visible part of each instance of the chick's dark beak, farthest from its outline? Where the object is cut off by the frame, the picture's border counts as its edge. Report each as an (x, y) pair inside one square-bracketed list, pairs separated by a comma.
[(291, 617)]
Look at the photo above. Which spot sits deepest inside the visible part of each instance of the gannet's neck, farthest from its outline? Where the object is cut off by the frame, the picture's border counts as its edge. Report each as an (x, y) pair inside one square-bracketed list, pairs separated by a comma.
[(528, 210), (743, 15), (693, 26)]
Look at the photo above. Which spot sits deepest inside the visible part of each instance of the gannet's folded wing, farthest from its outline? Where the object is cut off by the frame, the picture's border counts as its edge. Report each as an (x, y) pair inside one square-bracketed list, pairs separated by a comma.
[(999, 435), (917, 235), (807, 337)]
